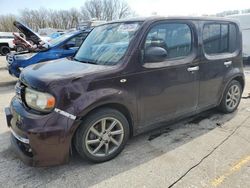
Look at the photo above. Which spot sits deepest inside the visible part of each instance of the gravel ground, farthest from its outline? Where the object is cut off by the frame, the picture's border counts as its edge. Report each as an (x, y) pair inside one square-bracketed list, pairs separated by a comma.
[(208, 150)]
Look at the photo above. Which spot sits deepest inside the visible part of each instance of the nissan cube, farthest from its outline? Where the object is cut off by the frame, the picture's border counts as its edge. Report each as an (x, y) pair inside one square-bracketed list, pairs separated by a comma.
[(127, 77)]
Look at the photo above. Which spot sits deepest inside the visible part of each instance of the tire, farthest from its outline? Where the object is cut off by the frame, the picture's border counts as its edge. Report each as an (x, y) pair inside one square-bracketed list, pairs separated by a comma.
[(231, 97), (87, 140), (4, 50)]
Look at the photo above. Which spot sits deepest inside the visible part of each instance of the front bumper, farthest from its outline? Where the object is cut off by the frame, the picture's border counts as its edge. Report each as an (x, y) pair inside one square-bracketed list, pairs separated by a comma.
[(39, 140)]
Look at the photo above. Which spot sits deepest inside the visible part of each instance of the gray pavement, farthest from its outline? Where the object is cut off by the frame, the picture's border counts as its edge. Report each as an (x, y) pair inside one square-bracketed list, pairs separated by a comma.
[(5, 78), (208, 150)]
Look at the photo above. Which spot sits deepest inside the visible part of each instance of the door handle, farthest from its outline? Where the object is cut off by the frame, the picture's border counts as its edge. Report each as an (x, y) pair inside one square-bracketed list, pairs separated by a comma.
[(192, 69), (228, 63)]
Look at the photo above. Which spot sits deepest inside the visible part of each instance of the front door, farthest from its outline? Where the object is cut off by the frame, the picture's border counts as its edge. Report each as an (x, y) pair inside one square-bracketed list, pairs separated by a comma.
[(169, 88)]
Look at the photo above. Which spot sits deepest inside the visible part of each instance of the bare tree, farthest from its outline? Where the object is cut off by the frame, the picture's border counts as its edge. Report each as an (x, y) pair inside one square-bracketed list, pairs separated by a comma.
[(6, 23), (74, 17), (123, 10), (106, 9), (65, 19), (93, 9)]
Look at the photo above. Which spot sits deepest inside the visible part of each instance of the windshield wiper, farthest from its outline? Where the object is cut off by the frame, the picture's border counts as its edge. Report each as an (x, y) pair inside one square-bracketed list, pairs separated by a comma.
[(88, 62)]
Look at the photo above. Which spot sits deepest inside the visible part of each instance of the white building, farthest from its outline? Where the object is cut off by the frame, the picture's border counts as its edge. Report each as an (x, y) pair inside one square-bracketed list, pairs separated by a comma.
[(244, 20)]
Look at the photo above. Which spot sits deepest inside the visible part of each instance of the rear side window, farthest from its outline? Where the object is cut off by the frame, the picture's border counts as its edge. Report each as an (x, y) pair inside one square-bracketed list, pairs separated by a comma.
[(175, 38), (219, 38)]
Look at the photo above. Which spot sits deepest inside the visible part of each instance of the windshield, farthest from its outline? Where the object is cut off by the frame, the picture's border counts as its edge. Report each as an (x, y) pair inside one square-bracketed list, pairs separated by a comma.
[(60, 39), (107, 44)]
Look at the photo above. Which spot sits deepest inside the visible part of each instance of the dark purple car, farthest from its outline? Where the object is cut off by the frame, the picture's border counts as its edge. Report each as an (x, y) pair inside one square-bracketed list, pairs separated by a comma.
[(126, 78)]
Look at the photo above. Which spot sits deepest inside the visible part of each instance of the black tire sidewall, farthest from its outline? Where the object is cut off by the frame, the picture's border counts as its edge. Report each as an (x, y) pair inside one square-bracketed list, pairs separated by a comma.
[(3, 48), (223, 106), (82, 131)]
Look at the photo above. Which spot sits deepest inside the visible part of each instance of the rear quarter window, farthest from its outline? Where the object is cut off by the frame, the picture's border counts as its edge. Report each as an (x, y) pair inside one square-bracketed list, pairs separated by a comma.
[(219, 38)]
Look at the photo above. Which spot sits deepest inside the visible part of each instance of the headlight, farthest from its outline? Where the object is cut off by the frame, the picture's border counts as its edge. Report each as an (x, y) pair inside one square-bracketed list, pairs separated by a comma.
[(24, 56), (39, 101)]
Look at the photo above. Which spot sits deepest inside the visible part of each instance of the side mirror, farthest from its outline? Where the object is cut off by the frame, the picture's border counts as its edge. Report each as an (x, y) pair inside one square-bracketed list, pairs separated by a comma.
[(155, 54)]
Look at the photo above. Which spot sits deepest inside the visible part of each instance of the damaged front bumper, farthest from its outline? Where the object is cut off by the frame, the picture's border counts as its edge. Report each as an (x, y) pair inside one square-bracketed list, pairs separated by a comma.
[(39, 140)]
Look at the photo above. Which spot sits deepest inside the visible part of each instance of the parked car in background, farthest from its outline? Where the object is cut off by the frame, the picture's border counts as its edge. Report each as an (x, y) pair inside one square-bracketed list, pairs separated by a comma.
[(244, 20), (49, 31), (6, 42), (126, 78), (21, 44), (64, 46), (56, 34)]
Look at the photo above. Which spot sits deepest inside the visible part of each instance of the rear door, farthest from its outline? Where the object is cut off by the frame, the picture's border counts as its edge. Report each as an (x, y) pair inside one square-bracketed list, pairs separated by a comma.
[(170, 88), (219, 52)]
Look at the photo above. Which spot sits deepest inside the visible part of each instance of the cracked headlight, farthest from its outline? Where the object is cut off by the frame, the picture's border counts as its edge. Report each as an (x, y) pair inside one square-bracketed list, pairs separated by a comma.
[(39, 101)]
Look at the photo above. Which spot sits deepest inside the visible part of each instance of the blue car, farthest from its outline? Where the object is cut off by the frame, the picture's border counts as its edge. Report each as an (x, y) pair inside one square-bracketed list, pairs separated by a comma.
[(64, 46)]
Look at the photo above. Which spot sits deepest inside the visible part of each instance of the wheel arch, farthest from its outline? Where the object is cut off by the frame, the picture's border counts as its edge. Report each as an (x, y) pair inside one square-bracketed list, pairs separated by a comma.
[(239, 78), (117, 106)]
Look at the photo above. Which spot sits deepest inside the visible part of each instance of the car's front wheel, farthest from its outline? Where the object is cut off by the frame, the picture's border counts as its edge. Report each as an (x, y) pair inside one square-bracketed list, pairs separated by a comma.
[(102, 135), (231, 97)]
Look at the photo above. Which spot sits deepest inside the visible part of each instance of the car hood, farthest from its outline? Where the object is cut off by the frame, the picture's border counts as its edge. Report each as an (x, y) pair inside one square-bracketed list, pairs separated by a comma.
[(29, 33), (42, 74)]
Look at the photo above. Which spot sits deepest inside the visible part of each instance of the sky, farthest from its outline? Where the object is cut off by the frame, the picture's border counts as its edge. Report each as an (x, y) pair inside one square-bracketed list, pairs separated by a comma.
[(141, 7)]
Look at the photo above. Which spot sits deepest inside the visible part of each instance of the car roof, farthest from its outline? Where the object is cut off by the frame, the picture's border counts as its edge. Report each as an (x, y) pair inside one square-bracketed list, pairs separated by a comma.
[(80, 31), (76, 32), (159, 18)]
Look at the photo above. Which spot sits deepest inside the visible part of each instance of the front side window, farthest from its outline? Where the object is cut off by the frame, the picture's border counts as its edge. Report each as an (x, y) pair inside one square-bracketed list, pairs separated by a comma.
[(60, 39), (80, 38), (219, 38), (107, 44), (175, 38), (77, 40)]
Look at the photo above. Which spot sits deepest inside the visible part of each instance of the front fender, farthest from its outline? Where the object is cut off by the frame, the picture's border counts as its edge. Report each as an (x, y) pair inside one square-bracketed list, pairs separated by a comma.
[(106, 96), (81, 96)]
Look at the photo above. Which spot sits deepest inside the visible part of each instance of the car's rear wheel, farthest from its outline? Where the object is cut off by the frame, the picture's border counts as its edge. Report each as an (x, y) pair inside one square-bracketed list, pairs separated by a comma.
[(4, 50), (102, 135), (231, 97)]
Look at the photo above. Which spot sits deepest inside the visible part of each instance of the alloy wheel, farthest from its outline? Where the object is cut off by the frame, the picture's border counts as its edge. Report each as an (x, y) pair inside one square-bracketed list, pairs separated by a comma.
[(233, 97), (104, 137)]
